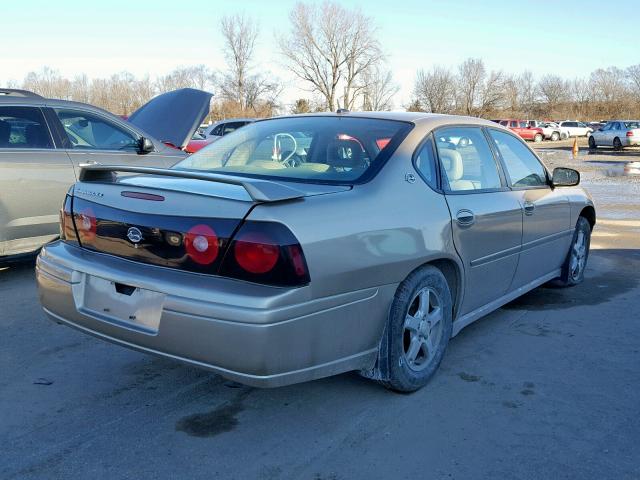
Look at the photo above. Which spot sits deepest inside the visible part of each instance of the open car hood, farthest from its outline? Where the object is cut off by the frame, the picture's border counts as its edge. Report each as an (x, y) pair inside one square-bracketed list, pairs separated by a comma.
[(173, 117)]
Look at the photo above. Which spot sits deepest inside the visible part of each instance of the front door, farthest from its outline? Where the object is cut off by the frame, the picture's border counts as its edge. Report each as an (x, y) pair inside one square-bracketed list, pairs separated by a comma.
[(486, 215), (546, 229), (34, 178), (93, 138)]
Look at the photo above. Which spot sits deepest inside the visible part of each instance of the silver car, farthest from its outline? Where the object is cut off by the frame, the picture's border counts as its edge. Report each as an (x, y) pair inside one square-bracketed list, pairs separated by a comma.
[(617, 134), (305, 246), (219, 129), (43, 142)]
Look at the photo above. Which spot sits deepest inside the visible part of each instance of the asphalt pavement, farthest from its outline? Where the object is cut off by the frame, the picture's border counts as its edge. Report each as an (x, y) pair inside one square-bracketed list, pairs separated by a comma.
[(546, 387)]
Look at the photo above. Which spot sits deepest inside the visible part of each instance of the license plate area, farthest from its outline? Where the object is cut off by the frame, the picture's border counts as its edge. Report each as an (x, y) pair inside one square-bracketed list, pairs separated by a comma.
[(122, 304)]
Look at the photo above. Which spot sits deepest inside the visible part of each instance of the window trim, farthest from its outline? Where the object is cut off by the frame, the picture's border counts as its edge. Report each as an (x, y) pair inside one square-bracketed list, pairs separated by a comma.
[(504, 165), (503, 181), (52, 139)]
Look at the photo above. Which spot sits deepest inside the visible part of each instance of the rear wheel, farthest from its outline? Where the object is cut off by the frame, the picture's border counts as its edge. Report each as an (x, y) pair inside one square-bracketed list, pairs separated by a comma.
[(555, 136), (564, 135), (537, 138), (576, 262), (592, 143), (617, 144), (418, 329)]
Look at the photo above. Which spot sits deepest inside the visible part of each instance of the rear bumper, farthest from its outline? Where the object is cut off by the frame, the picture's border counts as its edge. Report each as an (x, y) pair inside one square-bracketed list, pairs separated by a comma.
[(257, 335), (631, 141)]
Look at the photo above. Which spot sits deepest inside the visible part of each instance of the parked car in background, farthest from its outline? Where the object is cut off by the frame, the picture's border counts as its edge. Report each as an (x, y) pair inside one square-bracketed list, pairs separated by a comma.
[(523, 129), (197, 142), (552, 131), (596, 125), (576, 129), (617, 134), (43, 142), (224, 127), (308, 235)]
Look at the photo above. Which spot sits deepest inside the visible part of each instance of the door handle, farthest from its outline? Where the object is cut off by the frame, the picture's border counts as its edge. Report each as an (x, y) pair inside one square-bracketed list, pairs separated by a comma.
[(529, 208), (465, 217)]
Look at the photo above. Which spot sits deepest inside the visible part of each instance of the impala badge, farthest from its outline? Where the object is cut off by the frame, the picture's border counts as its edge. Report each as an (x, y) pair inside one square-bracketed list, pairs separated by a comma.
[(134, 235)]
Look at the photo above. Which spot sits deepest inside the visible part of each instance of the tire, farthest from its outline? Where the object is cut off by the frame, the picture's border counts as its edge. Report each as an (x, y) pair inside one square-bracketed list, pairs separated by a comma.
[(564, 136), (617, 144), (418, 329), (537, 138), (576, 262), (555, 136), (592, 143)]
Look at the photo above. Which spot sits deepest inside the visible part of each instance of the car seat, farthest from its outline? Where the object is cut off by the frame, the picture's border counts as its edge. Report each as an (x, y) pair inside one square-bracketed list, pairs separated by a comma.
[(454, 167)]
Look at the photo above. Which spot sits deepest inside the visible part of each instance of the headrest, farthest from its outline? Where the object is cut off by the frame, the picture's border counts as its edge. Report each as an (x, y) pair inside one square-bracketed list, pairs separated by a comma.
[(344, 153), (5, 132), (452, 163)]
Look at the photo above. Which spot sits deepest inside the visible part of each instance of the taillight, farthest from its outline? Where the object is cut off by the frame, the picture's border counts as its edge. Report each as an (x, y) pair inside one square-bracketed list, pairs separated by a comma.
[(201, 244), (629, 133), (67, 229), (256, 253), (86, 224), (267, 253)]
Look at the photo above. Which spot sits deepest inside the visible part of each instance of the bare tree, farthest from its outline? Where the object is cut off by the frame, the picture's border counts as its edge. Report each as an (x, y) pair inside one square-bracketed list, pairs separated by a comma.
[(330, 47), (435, 90), (198, 76), (48, 83), (633, 74), (471, 74), (378, 89), (554, 90), (526, 92), (301, 105), (240, 34), (610, 90)]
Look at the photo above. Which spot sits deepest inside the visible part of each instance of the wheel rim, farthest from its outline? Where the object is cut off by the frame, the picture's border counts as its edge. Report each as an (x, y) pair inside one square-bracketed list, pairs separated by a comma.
[(578, 256), (422, 330), (555, 137)]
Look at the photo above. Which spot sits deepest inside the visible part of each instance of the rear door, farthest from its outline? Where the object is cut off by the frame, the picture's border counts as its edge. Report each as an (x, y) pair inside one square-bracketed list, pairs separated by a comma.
[(486, 215), (546, 229), (91, 137), (34, 178)]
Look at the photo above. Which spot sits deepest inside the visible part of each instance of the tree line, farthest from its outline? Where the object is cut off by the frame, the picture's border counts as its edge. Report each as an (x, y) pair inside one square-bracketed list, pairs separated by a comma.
[(335, 55)]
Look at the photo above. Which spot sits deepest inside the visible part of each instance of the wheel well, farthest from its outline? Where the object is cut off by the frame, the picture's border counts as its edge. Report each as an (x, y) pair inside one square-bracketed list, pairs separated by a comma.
[(452, 274), (590, 214)]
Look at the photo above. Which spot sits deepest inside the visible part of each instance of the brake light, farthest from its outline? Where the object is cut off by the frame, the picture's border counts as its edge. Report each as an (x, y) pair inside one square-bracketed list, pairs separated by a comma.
[(67, 229), (86, 224), (267, 253), (201, 244), (256, 253), (629, 133)]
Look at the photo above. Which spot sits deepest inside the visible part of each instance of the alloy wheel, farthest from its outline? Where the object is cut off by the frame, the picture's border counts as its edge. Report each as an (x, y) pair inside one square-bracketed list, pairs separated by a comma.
[(422, 329), (578, 256)]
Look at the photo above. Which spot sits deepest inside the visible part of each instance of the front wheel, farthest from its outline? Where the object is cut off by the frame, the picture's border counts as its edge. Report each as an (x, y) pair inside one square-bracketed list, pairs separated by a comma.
[(576, 262), (418, 329), (537, 138), (555, 136), (617, 144)]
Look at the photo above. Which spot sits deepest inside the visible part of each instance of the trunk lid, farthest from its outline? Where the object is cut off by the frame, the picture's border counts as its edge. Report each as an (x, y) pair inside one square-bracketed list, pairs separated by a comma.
[(155, 218), (173, 117)]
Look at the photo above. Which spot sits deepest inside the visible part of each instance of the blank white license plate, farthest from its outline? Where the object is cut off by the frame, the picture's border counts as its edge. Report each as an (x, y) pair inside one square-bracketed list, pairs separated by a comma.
[(122, 304)]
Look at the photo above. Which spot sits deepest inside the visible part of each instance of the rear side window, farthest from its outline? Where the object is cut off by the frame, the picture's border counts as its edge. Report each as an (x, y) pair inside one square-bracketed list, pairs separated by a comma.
[(87, 131), (467, 160), (23, 127), (425, 162), (323, 149), (523, 168)]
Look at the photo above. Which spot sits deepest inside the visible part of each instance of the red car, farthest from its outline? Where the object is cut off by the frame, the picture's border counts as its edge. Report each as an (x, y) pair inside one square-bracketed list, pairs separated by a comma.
[(522, 128), (197, 142)]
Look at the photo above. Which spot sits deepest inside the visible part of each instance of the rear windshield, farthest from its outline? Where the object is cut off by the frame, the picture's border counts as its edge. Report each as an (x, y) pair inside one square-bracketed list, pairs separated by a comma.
[(632, 125), (309, 149)]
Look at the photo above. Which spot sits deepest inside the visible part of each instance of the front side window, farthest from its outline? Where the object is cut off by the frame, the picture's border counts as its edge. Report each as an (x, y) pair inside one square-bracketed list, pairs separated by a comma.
[(312, 149), (466, 159), (523, 168), (23, 127), (87, 131), (513, 124)]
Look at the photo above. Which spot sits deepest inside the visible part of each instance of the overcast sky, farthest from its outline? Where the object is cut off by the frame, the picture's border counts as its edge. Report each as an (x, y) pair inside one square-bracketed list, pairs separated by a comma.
[(153, 37)]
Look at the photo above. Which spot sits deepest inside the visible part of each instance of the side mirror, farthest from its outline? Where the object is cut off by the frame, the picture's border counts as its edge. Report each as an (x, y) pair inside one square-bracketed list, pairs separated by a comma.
[(145, 146), (565, 177)]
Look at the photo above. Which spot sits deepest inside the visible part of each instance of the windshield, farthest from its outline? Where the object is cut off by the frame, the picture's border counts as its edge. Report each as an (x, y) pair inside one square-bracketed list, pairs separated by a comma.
[(313, 149), (632, 125)]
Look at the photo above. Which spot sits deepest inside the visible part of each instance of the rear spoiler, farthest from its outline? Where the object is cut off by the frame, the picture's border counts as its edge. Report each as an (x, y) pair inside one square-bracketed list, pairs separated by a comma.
[(258, 190)]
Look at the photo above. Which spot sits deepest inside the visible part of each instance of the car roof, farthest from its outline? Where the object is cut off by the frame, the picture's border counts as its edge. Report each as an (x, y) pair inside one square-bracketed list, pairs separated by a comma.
[(431, 120), (49, 102)]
